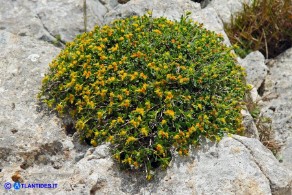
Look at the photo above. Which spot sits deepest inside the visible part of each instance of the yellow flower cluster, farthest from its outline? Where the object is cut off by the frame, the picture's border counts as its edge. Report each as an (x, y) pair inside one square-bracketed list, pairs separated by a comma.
[(145, 89), (170, 113)]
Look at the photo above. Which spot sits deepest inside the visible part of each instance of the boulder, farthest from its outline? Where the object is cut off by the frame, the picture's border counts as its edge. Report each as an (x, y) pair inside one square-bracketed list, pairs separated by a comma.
[(226, 8), (256, 70), (52, 20), (249, 124), (277, 103)]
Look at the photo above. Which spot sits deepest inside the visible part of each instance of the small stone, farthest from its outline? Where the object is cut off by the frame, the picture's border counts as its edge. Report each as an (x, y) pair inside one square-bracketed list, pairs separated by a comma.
[(16, 177)]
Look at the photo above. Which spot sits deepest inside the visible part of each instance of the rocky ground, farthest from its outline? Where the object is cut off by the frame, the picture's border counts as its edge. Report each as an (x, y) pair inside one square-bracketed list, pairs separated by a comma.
[(35, 147)]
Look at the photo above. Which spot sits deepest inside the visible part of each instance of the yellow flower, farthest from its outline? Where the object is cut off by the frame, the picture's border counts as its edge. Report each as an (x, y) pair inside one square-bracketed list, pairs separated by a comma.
[(80, 124), (99, 48), (99, 115), (78, 87), (113, 122), (148, 105), (93, 143), (200, 106), (115, 48), (144, 131), (163, 122), (137, 54), (140, 111), (91, 104), (59, 108), (126, 103), (169, 95), (159, 148), (222, 120), (71, 98), (103, 93), (143, 89), (111, 79), (123, 76), (103, 57), (158, 92), (170, 113), (136, 164), (127, 92), (121, 38), (157, 31), (191, 129), (183, 80), (123, 132), (143, 76), (130, 139), (120, 97), (110, 139), (162, 134), (45, 79), (129, 36), (120, 120), (134, 123), (171, 77)]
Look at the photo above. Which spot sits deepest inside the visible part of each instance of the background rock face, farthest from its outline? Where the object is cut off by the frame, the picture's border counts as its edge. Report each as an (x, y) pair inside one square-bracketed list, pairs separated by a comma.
[(278, 102), (34, 147), (226, 8), (50, 19), (254, 63)]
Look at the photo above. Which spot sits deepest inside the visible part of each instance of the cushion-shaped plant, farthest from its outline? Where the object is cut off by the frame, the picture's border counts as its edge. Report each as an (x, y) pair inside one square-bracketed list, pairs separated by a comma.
[(147, 85)]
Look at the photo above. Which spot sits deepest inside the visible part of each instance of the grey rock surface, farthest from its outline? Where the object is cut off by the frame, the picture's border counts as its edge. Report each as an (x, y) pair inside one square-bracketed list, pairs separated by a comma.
[(249, 124), (254, 64), (51, 20), (23, 63), (226, 8), (277, 103)]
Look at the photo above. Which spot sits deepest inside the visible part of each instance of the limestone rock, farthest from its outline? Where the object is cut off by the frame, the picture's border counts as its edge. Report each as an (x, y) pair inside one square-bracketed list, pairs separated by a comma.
[(255, 97), (249, 124), (234, 166), (226, 8), (278, 102), (256, 70), (25, 134), (51, 20)]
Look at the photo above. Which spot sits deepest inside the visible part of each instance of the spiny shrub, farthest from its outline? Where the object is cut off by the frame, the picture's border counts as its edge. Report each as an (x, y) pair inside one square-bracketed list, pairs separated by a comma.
[(264, 25), (148, 86)]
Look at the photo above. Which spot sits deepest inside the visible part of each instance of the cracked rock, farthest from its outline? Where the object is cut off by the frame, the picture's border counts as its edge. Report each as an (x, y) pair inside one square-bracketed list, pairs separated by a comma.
[(279, 106), (226, 8), (254, 64)]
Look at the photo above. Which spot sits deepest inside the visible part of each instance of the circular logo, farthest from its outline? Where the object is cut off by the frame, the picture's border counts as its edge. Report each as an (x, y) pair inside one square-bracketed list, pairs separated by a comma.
[(7, 186), (16, 185)]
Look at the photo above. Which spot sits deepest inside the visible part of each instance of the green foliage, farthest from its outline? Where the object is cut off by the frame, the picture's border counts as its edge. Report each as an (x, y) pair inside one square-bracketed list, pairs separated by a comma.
[(146, 86), (265, 25)]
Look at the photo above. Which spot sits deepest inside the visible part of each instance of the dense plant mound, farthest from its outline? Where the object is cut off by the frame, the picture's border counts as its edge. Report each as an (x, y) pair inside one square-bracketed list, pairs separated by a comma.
[(264, 25), (147, 85)]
